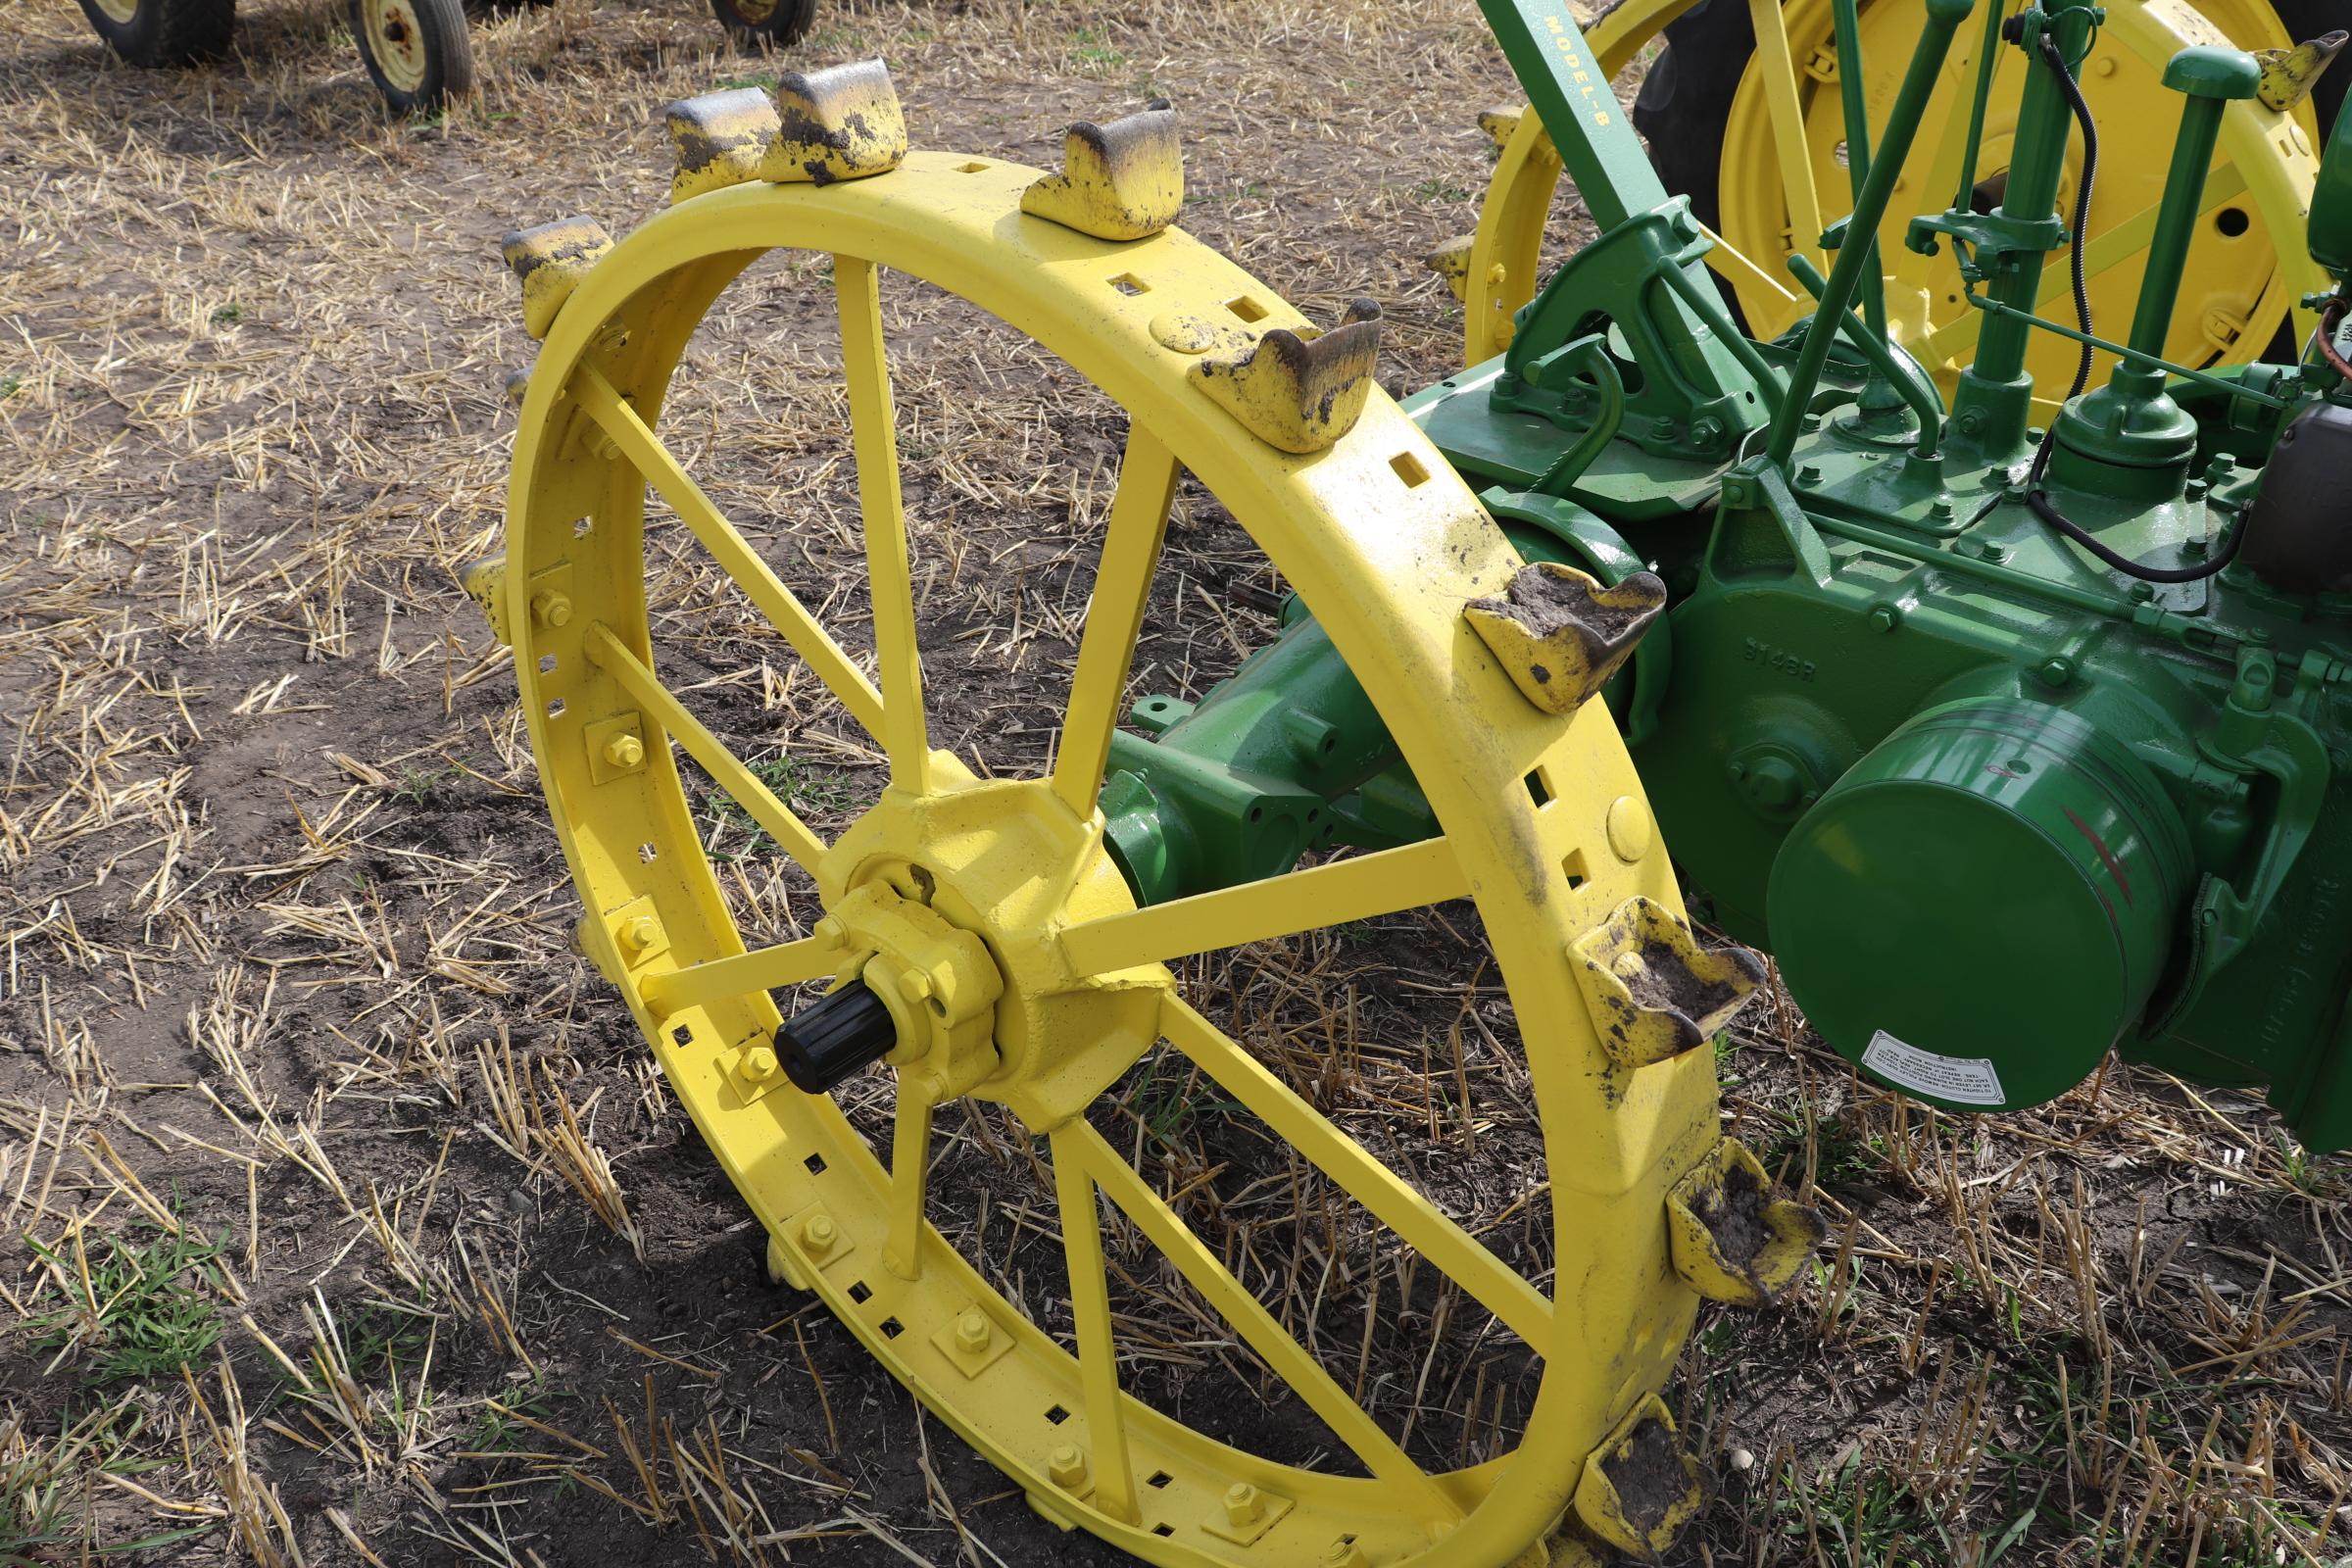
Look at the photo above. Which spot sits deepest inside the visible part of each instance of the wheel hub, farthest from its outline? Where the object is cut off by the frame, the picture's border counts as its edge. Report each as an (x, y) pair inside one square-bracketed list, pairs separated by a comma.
[(951, 910)]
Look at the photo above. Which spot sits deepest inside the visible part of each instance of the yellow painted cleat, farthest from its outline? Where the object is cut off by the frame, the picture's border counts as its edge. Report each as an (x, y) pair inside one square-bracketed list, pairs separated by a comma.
[(2289, 75), (1452, 262), (1735, 1239), (719, 139), (1640, 1485), (1120, 181), (1501, 123), (1654, 992), (1561, 634), (1298, 391), (843, 123), (550, 259)]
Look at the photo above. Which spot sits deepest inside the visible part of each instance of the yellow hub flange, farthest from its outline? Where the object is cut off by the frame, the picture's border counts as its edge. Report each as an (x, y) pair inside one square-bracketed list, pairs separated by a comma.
[(988, 914), (1784, 175)]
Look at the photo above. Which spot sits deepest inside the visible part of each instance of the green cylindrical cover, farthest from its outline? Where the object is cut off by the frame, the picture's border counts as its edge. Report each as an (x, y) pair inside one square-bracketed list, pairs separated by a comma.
[(1982, 906)]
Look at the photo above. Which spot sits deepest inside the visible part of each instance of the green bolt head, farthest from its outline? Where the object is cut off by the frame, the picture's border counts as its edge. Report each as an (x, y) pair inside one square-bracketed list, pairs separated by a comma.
[(2056, 671)]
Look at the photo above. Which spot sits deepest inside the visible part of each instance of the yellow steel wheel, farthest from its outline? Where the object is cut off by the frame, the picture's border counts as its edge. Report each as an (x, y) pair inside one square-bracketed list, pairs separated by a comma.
[(988, 916), (1782, 174)]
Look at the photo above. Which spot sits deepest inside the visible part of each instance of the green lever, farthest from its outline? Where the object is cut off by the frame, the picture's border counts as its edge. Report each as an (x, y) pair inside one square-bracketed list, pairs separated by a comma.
[(1902, 127), (2211, 77)]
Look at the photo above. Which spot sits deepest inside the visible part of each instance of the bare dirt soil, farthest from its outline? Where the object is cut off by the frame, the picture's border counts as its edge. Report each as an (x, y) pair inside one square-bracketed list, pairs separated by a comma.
[(344, 1217)]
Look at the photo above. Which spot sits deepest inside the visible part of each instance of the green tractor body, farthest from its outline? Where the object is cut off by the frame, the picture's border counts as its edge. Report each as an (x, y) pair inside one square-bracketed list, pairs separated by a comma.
[(2013, 744)]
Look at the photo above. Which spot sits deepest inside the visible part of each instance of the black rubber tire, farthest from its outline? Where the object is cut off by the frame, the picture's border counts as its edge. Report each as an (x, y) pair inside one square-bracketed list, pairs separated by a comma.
[(168, 32), (1684, 106), (447, 56), (785, 24)]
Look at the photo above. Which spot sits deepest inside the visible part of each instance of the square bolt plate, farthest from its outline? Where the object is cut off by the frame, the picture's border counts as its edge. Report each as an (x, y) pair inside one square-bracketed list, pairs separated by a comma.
[(617, 920), (1270, 1511), (598, 735), (971, 1363)]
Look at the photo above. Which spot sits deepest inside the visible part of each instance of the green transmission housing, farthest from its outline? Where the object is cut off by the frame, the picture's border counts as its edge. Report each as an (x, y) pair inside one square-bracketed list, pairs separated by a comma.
[(2014, 745)]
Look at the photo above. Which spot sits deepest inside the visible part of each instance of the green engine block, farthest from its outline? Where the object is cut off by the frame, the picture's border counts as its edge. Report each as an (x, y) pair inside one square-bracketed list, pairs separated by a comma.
[(2013, 746)]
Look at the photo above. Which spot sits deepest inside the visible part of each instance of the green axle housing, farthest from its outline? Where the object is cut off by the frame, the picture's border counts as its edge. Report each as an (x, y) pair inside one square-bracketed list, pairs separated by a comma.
[(2002, 743)]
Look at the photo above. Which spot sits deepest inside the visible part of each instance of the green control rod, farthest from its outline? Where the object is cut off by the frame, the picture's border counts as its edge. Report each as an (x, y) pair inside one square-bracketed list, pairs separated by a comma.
[(1887, 166)]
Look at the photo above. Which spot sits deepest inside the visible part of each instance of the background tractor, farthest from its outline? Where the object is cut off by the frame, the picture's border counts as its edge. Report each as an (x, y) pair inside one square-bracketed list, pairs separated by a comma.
[(2002, 697), (416, 52)]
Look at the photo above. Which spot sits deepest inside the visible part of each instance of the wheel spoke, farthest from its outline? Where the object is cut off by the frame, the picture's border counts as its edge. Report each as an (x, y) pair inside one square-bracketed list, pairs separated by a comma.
[(910, 1175), (857, 286), (1740, 269), (1777, 67), (763, 970), (1089, 1312), (660, 468), (1290, 1360), (726, 770), (1132, 535), (1336, 893), (1491, 1282)]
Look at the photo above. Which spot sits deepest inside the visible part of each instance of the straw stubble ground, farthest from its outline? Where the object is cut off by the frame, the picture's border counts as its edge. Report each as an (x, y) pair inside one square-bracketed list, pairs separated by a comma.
[(347, 1219)]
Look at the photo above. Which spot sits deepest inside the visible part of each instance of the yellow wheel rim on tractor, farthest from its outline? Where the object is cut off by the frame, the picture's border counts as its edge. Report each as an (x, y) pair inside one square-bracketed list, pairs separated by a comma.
[(396, 42), (124, 11), (988, 914), (1783, 179)]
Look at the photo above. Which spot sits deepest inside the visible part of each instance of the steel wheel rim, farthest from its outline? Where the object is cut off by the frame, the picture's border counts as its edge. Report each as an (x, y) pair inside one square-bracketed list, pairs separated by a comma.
[(1642, 1312), (124, 11), (396, 42)]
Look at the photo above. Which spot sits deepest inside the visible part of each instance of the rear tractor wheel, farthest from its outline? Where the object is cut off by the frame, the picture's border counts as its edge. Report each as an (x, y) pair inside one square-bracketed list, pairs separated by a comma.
[(986, 980), (164, 33), (418, 52), (757, 25), (1744, 112)]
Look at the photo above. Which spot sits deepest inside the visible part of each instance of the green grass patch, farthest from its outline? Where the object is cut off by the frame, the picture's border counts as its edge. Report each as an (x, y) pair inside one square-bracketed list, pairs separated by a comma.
[(140, 1310)]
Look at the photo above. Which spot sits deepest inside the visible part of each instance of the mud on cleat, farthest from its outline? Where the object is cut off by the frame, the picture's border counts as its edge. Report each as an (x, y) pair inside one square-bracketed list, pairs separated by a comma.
[(550, 260), (1654, 992), (1120, 181), (1640, 1485), (1736, 1238), (719, 139), (1560, 635), (843, 123), (1298, 391)]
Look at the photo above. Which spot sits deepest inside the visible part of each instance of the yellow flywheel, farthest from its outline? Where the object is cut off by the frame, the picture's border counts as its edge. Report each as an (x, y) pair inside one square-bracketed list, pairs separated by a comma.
[(1752, 91), (996, 938)]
